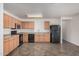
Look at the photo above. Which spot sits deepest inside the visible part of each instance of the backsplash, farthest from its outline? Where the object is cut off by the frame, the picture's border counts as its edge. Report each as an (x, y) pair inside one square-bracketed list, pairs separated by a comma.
[(30, 30), (6, 31), (25, 30)]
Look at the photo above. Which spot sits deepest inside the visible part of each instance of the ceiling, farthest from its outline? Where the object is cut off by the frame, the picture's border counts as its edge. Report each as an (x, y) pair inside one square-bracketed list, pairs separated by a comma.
[(48, 10)]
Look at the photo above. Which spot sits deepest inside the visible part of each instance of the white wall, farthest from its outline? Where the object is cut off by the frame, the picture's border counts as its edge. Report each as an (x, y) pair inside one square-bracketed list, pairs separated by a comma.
[(39, 26), (1, 29), (71, 30), (52, 21), (66, 30), (55, 21)]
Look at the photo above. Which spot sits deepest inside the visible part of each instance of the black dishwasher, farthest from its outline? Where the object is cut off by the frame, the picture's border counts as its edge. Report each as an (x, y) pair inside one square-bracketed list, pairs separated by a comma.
[(31, 38)]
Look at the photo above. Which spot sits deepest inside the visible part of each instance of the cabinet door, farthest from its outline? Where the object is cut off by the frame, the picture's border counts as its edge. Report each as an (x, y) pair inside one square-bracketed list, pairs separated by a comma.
[(19, 23), (37, 38), (17, 40), (28, 25), (31, 25), (42, 39), (12, 22), (11, 44), (6, 48), (25, 38), (7, 21), (46, 25), (47, 37), (14, 43), (25, 25)]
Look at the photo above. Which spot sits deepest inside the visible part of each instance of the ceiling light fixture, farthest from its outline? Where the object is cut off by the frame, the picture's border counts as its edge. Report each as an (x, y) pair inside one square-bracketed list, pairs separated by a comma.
[(34, 15)]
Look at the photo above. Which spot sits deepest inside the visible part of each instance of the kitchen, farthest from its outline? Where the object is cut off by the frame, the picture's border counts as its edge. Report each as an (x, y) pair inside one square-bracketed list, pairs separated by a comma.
[(26, 30), (34, 29)]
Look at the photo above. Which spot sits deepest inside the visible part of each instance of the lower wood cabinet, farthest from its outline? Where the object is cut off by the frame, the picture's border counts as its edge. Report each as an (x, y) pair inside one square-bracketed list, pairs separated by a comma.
[(15, 41), (10, 44), (42, 37), (6, 46), (25, 37)]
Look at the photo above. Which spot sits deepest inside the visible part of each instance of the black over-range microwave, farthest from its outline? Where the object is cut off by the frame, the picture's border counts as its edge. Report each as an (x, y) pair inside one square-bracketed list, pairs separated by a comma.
[(17, 26)]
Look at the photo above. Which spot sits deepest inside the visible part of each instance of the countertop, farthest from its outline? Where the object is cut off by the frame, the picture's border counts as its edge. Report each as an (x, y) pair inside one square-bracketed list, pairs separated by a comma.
[(9, 35)]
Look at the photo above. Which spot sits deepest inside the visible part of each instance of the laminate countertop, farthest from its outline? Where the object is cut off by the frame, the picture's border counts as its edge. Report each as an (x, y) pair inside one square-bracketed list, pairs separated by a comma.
[(9, 36)]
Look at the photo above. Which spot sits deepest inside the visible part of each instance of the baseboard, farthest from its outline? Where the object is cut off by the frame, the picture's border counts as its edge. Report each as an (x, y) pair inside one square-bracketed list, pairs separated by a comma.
[(72, 42)]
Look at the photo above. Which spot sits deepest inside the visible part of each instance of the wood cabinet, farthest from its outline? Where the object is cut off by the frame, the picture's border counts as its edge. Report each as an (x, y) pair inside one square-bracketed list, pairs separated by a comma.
[(15, 41), (37, 37), (31, 25), (10, 44), (18, 22), (28, 25), (7, 21), (25, 37), (25, 25), (46, 25), (42, 37), (6, 46), (13, 22)]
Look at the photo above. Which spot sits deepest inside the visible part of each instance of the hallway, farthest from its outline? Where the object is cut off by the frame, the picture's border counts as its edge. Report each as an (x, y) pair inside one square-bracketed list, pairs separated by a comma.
[(46, 49)]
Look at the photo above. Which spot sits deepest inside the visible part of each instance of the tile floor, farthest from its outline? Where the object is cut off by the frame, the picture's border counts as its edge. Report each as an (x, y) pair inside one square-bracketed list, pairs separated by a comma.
[(46, 49)]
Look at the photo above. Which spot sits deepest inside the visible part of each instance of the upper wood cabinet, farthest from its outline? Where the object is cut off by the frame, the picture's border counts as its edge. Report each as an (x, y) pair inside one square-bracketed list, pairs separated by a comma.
[(12, 22), (7, 21), (46, 25), (18, 22), (28, 25), (25, 25), (31, 25)]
